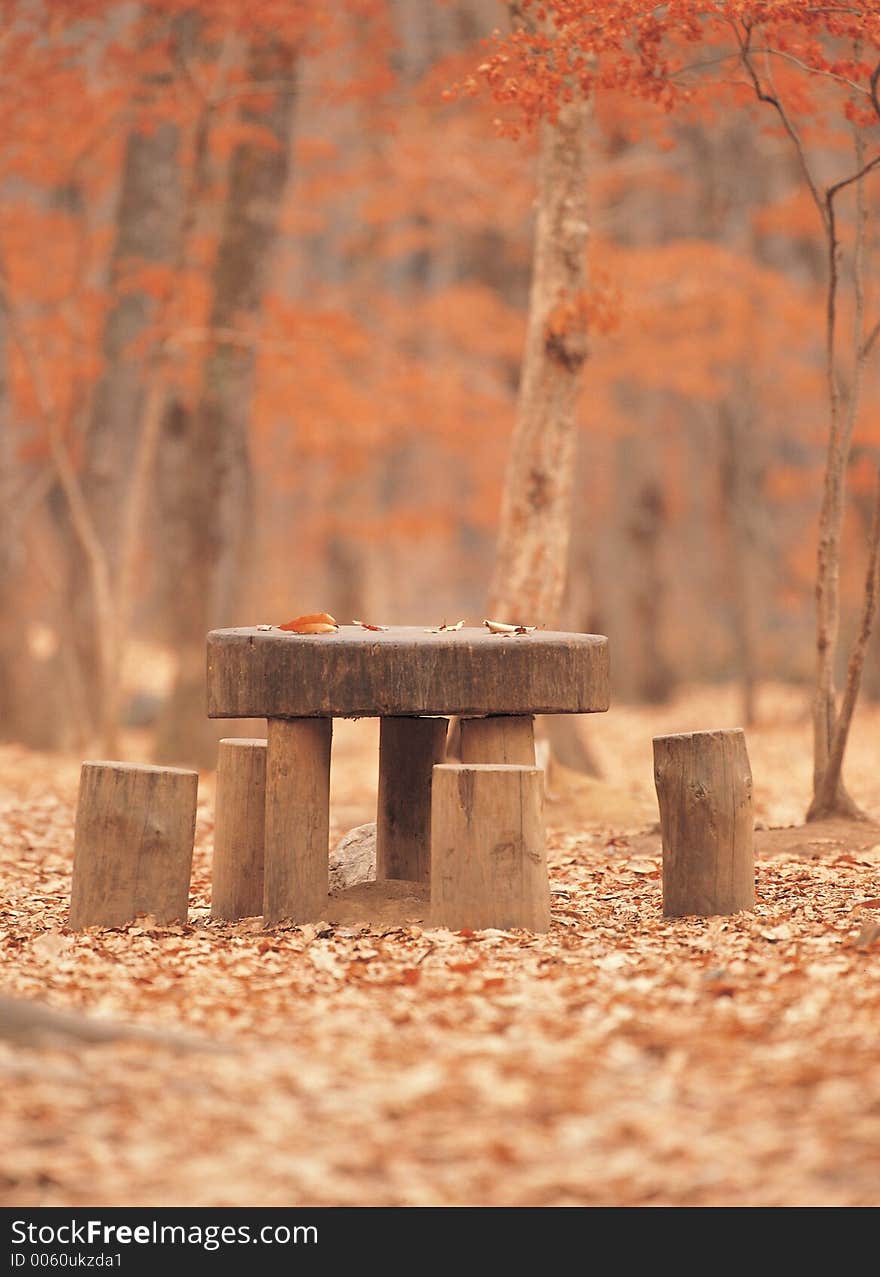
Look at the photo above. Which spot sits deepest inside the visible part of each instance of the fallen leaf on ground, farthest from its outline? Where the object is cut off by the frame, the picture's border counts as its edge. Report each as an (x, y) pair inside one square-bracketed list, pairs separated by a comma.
[(774, 934), (375, 1075), (365, 625), (869, 933), (50, 944)]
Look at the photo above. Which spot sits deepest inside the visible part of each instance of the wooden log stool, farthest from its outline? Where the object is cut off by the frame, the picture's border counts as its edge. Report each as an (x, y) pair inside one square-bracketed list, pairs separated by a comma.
[(704, 789), (488, 853), (411, 679), (133, 844), (239, 830)]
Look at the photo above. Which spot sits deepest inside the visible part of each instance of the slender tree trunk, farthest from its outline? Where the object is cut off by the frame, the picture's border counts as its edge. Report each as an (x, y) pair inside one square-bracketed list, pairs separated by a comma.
[(205, 471), (640, 493), (529, 578), (830, 729), (147, 228), (80, 523), (826, 800), (28, 680), (10, 631), (738, 496)]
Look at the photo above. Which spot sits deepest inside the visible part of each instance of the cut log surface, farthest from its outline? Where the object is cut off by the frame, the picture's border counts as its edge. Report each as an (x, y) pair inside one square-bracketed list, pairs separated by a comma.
[(408, 750), (704, 788), (499, 739), (239, 830), (133, 844), (297, 843), (488, 854), (402, 671)]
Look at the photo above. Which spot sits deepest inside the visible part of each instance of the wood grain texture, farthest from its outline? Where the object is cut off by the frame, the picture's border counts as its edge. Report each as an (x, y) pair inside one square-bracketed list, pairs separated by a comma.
[(239, 830), (297, 841), (408, 750), (498, 739), (133, 844), (403, 671), (704, 788), (488, 853)]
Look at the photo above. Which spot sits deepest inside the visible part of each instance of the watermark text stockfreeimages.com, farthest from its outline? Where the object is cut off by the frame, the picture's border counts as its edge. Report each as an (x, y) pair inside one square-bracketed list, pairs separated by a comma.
[(95, 1232)]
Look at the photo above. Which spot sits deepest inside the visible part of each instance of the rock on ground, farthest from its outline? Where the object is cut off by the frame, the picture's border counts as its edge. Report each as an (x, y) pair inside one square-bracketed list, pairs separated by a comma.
[(353, 859)]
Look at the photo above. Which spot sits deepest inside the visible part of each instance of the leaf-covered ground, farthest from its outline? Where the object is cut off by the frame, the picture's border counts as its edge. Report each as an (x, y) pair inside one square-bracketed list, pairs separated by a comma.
[(623, 1059)]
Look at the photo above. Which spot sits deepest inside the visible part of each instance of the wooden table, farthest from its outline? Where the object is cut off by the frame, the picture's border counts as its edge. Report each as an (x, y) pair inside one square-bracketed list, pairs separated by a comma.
[(413, 680)]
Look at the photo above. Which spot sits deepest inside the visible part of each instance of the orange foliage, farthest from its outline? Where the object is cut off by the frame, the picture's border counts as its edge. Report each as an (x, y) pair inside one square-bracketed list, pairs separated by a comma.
[(387, 348)]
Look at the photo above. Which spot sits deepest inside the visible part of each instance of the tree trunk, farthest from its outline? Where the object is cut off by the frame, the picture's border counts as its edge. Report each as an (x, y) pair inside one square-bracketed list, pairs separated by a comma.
[(829, 793), (529, 577), (205, 465), (8, 638), (566, 734), (30, 663), (147, 231), (830, 730), (644, 514), (738, 497), (11, 646)]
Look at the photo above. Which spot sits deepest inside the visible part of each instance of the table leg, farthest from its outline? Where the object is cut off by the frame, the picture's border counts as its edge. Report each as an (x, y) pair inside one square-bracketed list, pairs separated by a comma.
[(501, 738), (297, 848), (408, 750)]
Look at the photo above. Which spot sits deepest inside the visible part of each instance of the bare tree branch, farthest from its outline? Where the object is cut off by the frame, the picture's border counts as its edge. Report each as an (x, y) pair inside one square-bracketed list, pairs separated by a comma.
[(805, 66), (870, 341), (774, 100)]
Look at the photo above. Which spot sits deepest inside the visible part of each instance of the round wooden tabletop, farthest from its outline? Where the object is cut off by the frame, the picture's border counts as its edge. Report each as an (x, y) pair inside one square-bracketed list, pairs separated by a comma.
[(404, 670)]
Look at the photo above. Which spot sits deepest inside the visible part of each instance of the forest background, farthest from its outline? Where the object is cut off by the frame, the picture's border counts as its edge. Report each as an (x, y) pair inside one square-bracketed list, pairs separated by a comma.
[(264, 278)]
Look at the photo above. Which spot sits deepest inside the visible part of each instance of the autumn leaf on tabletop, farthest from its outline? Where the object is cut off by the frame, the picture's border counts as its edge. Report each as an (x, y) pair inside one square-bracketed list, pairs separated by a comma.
[(313, 623), (502, 627), (445, 629), (365, 625)]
